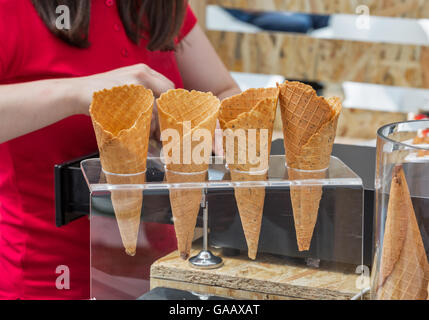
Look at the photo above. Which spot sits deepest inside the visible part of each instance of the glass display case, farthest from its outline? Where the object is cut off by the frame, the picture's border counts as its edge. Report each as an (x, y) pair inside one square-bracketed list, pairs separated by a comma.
[(335, 249), (400, 267)]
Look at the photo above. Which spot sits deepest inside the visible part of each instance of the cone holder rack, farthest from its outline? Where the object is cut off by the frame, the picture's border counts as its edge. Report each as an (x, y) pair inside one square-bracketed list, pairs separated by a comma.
[(278, 236)]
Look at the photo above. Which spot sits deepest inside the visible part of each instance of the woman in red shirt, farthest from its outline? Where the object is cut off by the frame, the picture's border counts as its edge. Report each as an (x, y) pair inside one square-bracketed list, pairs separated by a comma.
[(47, 78)]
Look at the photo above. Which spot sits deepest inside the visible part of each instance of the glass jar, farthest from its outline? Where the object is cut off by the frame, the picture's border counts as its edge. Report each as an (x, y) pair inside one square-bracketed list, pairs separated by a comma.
[(400, 266)]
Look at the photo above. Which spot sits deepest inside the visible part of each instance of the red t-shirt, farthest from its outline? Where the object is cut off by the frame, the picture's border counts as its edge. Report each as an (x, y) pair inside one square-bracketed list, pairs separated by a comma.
[(31, 247)]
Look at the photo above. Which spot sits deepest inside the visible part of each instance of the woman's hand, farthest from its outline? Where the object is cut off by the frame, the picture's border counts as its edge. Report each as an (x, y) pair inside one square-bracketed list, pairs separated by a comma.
[(139, 74)]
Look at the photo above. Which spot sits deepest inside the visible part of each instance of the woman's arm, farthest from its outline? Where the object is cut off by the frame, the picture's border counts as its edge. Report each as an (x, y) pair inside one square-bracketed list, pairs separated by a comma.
[(30, 106), (201, 68)]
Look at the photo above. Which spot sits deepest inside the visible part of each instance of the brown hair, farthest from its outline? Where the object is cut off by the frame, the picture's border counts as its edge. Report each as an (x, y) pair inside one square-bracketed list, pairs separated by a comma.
[(158, 21)]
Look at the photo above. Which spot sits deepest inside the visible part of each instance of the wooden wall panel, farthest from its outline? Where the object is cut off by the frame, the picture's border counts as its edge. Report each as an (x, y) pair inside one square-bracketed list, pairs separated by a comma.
[(199, 7), (306, 58), (391, 8)]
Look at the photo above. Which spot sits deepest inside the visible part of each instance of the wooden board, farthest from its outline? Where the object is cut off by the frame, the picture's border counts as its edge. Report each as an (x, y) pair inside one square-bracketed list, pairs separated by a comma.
[(269, 277), (302, 57), (389, 8), (364, 124)]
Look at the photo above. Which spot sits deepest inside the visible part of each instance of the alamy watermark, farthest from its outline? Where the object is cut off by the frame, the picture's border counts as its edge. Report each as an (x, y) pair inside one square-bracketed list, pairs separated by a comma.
[(63, 20), (195, 146), (363, 281), (363, 22), (63, 280)]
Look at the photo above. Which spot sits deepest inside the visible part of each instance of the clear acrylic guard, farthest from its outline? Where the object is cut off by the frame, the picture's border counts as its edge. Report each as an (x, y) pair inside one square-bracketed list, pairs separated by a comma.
[(115, 275)]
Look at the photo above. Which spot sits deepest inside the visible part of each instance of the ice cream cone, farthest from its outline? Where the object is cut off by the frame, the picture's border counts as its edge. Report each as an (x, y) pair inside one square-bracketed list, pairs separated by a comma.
[(305, 203), (404, 267), (250, 203), (254, 109), (185, 205), (121, 118), (127, 205), (187, 116), (309, 125)]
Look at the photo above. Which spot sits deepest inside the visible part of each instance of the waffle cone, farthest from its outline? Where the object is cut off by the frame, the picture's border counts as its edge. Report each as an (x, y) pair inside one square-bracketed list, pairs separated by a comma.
[(250, 203), (121, 118), (252, 109), (200, 110), (185, 205), (309, 125), (176, 109), (404, 267), (127, 205), (305, 203)]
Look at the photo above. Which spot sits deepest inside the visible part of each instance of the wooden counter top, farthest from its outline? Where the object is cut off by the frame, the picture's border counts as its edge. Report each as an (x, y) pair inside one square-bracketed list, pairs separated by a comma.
[(270, 277)]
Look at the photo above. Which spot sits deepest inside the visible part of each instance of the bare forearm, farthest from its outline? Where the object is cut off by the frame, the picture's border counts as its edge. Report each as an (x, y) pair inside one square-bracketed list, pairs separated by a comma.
[(27, 107), (30, 106), (202, 69), (234, 90)]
